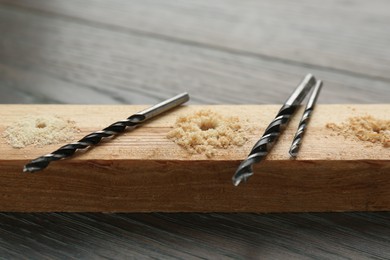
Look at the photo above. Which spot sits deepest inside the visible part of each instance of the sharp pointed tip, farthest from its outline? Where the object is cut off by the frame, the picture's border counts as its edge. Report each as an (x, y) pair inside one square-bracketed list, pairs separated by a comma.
[(236, 182), (241, 175), (237, 179), (30, 169), (294, 151)]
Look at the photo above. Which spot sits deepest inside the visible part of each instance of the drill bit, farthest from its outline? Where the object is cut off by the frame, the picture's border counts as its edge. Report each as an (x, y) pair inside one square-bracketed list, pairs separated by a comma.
[(264, 145), (94, 138), (305, 119)]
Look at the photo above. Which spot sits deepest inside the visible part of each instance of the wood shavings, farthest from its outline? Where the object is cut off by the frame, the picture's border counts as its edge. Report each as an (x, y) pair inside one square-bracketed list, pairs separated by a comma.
[(205, 131), (39, 131), (366, 128)]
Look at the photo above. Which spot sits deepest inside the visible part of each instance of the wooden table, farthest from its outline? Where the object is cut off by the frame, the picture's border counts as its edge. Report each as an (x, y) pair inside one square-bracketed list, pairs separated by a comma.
[(222, 52)]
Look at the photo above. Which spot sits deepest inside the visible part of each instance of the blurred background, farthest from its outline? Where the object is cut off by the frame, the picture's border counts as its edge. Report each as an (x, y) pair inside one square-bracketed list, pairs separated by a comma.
[(221, 52)]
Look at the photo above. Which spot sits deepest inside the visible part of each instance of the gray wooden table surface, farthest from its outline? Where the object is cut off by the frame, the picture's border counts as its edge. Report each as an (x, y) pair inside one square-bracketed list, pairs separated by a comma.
[(221, 52)]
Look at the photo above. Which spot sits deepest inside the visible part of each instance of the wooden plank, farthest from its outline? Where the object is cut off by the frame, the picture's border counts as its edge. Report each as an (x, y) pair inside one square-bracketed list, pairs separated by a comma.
[(189, 236), (59, 60), (143, 171), (350, 37)]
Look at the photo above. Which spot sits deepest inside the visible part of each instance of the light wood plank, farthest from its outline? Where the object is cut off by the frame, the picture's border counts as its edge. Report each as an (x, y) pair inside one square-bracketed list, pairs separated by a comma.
[(134, 174), (351, 37), (187, 236)]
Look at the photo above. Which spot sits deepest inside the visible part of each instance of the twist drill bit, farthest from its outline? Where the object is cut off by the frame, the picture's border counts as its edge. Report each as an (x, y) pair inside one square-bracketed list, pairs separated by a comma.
[(263, 146), (94, 138), (305, 119)]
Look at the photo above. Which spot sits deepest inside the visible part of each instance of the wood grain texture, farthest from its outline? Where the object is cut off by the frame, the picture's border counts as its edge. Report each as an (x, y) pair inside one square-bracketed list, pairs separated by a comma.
[(196, 236), (54, 58), (144, 171), (351, 36), (236, 52)]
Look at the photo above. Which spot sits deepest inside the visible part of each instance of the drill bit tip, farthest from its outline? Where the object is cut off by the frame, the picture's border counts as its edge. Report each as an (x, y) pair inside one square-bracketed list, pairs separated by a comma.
[(30, 169), (244, 170), (294, 151), (242, 176)]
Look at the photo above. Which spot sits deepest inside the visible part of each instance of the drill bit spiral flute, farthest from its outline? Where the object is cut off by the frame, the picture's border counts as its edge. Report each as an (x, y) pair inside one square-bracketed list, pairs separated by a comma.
[(275, 128), (94, 138), (305, 119)]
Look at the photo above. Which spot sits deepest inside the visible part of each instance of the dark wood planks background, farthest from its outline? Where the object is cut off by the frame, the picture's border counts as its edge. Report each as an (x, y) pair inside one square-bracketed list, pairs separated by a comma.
[(225, 51)]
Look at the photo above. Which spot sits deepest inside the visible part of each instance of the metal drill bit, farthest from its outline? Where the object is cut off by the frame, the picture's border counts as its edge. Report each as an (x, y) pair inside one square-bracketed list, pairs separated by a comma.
[(305, 119), (94, 138), (264, 145)]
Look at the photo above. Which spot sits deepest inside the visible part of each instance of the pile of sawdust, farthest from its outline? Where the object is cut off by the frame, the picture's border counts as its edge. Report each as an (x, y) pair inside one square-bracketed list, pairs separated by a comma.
[(365, 128), (205, 131), (39, 131)]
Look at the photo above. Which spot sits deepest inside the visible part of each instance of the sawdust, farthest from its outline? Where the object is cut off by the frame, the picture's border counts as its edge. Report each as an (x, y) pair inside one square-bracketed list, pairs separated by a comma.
[(365, 128), (205, 131), (39, 131)]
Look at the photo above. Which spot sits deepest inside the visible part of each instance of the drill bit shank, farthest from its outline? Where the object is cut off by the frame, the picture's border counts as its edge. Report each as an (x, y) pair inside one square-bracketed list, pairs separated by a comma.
[(305, 119), (263, 146), (94, 138)]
